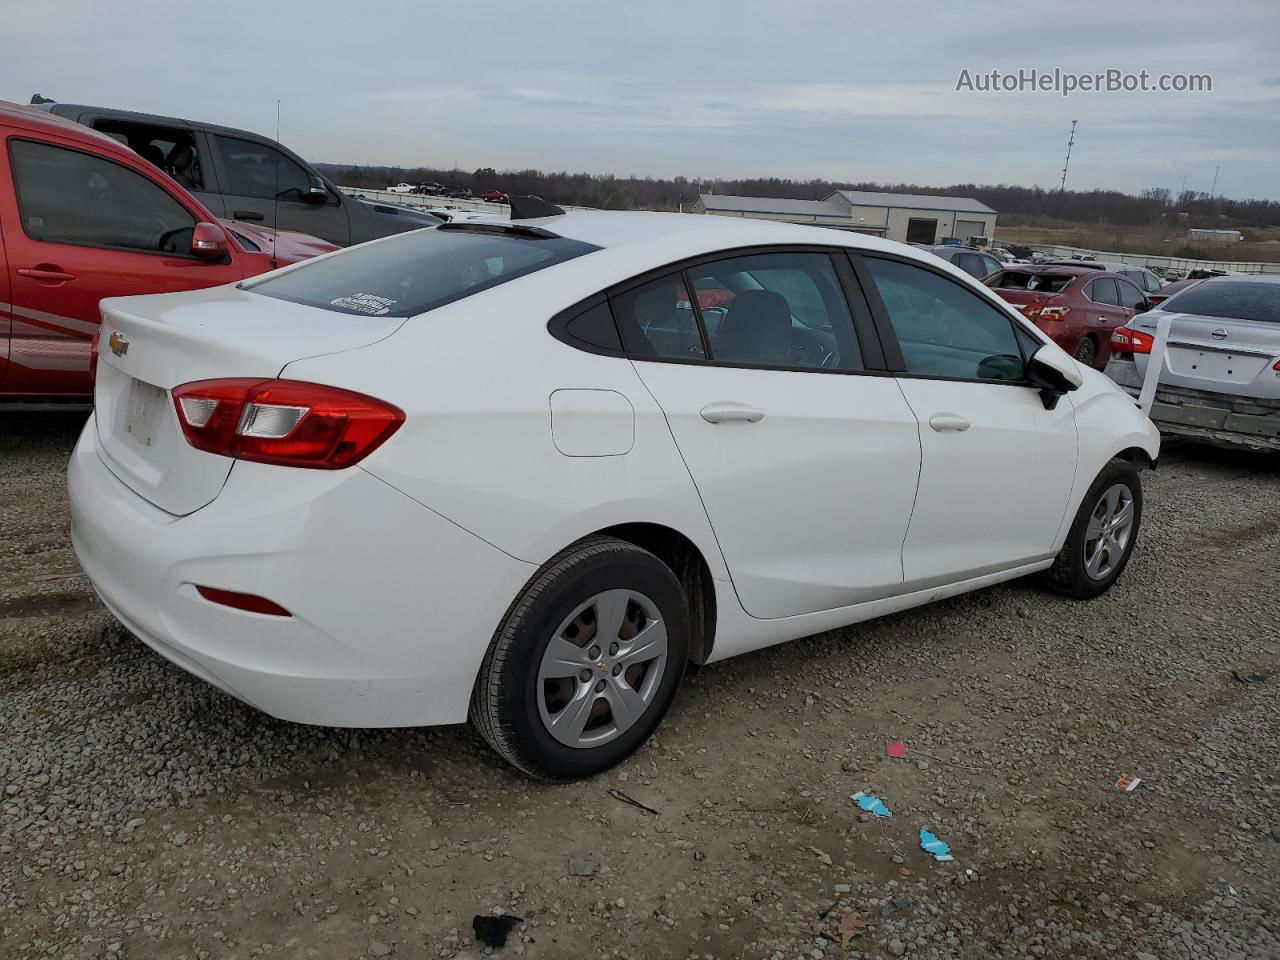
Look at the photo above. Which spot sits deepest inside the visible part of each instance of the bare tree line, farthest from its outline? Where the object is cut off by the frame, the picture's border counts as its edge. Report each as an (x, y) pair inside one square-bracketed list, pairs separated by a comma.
[(609, 192)]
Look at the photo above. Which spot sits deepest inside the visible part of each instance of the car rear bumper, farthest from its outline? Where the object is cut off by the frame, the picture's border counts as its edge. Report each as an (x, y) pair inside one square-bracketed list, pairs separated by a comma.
[(1220, 418), (392, 605)]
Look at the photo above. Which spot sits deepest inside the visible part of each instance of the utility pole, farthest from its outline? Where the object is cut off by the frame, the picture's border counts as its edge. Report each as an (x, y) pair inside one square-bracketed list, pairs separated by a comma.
[(1067, 163), (1213, 190)]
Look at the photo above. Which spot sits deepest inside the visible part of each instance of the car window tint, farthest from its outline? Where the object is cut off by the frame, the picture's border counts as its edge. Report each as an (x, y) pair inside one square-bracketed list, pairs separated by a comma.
[(1130, 296), (1236, 300), (595, 328), (990, 265), (971, 264), (256, 170), (943, 329), (1103, 290), (66, 196), (777, 310), (657, 320), (418, 271)]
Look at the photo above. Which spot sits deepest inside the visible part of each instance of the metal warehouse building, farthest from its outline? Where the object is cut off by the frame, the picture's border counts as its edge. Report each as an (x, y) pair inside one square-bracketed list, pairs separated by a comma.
[(908, 217)]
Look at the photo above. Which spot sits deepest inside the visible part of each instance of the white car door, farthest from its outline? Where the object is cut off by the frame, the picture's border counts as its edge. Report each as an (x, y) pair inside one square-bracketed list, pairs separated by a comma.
[(997, 467), (806, 464)]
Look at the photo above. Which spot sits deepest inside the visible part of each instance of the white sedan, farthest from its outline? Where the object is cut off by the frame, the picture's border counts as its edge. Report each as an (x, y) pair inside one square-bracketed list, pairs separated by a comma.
[(523, 472)]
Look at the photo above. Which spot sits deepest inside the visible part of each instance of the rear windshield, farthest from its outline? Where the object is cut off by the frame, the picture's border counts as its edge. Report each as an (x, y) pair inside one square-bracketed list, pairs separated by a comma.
[(1219, 298), (419, 271), (1024, 280)]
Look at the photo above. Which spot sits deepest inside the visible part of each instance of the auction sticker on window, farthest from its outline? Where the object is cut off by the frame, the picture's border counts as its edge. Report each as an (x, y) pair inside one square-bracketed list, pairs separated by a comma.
[(364, 303)]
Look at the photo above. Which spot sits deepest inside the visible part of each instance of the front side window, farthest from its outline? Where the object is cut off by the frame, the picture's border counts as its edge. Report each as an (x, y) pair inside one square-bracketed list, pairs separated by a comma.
[(418, 271), (943, 329), (66, 196), (1130, 296), (256, 170), (778, 310)]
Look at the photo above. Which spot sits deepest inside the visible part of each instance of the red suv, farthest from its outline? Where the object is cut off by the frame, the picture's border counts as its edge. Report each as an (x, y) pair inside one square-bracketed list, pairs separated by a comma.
[(1077, 307), (83, 217)]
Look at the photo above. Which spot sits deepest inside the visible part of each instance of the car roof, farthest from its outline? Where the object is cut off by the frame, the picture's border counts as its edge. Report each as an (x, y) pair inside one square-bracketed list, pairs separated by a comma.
[(1063, 268), (702, 232), (1245, 278), (31, 118)]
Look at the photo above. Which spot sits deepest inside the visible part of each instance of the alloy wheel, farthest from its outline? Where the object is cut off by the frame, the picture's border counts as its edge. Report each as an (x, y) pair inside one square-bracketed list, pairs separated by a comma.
[(1110, 527), (602, 668)]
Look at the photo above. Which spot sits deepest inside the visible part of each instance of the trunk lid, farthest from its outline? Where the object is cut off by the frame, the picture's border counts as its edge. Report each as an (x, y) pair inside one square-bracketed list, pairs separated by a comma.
[(149, 345), (1217, 354)]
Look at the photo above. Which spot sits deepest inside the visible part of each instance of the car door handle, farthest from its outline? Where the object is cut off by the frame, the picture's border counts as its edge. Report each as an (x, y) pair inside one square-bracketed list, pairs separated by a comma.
[(727, 410), (46, 273), (247, 215), (948, 423)]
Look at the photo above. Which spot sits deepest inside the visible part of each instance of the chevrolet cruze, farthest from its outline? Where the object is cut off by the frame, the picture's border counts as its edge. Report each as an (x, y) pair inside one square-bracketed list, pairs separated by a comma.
[(524, 472)]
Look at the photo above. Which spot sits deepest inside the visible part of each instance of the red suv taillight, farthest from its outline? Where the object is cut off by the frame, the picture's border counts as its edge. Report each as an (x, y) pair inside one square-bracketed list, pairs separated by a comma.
[(1044, 311), (285, 422), (1129, 340)]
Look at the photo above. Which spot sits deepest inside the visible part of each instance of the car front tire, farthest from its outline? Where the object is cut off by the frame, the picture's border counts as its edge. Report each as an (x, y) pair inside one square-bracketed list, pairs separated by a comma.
[(1102, 535), (585, 663)]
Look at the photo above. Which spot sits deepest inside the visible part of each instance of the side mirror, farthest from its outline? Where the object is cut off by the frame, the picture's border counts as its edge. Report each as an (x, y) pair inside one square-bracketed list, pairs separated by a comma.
[(208, 242), (1055, 374), (317, 192)]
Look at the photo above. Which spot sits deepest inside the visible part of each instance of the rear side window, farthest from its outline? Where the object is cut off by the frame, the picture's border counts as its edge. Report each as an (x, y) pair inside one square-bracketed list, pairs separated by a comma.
[(1103, 290), (1228, 299), (66, 196), (657, 320), (777, 310), (418, 271)]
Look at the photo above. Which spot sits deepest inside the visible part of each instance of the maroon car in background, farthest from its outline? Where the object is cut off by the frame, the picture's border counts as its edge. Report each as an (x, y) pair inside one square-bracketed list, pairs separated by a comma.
[(1077, 307)]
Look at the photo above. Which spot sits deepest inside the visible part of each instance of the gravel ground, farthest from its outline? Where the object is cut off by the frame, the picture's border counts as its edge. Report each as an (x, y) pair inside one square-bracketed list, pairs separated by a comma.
[(144, 814)]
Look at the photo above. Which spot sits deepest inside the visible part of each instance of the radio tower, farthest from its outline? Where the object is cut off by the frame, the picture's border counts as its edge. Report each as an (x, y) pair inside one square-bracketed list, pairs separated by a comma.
[(1070, 141)]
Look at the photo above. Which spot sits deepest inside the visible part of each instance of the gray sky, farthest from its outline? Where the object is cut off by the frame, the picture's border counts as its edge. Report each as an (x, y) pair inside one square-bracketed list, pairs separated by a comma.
[(705, 88)]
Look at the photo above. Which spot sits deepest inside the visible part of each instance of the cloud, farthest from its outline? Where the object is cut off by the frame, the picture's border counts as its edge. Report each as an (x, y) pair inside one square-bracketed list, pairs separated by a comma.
[(715, 88)]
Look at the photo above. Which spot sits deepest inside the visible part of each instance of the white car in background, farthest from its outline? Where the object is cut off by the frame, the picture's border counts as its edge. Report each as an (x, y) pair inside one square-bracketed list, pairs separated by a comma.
[(1219, 379), (401, 188), (523, 472)]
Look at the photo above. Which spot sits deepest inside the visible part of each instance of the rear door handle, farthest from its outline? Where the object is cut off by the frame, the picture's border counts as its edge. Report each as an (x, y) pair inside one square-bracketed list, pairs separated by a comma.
[(727, 410), (948, 423), (46, 273), (247, 215)]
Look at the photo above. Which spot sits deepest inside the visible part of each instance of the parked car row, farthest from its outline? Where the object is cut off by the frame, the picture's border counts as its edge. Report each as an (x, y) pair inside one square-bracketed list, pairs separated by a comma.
[(83, 217)]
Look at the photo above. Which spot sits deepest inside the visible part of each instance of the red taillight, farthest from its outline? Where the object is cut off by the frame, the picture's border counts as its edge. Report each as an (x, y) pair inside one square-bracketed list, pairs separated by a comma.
[(1129, 340), (243, 601), (285, 422), (1276, 366), (1054, 313)]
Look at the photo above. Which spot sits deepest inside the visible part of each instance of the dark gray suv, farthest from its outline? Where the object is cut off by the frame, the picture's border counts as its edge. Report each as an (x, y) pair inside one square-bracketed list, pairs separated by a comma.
[(244, 176)]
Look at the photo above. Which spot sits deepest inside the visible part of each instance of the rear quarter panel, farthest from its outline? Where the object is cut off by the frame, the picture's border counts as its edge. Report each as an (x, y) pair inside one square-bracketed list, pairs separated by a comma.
[(475, 379)]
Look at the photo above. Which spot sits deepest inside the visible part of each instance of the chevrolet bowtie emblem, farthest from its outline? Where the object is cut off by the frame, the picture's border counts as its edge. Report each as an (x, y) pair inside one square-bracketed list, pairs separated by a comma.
[(119, 345)]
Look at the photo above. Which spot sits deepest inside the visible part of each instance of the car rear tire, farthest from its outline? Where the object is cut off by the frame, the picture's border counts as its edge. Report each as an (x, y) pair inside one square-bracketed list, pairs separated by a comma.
[(585, 663), (1087, 351), (1102, 535)]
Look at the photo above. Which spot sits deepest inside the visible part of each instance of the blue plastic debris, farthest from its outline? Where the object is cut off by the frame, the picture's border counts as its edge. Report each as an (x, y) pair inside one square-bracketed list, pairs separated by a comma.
[(931, 844), (871, 804)]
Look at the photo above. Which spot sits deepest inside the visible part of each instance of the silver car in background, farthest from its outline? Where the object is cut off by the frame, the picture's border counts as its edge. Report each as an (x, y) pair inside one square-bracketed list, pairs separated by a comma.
[(1220, 379)]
